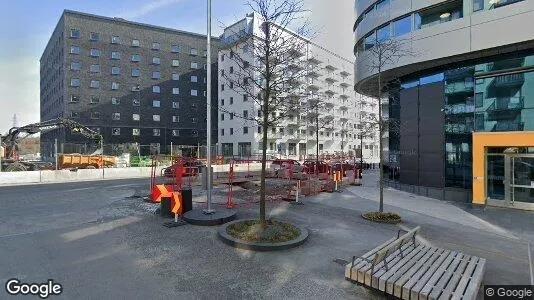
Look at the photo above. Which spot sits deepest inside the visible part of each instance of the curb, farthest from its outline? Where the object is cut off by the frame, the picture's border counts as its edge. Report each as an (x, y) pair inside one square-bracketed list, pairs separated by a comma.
[(230, 240)]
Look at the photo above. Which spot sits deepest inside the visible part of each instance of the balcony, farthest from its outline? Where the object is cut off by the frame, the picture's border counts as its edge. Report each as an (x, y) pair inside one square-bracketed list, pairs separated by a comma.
[(344, 74), (507, 103), (508, 126), (293, 137), (313, 74), (510, 80), (459, 74), (460, 87), (344, 85), (330, 79), (506, 64), (314, 61), (343, 96), (330, 67), (457, 109), (329, 91)]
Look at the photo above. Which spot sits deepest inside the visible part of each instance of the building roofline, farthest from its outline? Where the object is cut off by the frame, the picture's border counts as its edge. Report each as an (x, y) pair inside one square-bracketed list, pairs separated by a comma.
[(145, 25)]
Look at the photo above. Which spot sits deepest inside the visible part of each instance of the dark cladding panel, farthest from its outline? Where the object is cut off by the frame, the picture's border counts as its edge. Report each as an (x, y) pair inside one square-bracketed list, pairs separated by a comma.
[(431, 138), (409, 132)]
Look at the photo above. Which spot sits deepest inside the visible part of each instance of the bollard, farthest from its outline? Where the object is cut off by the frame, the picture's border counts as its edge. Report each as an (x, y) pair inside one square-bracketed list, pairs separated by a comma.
[(187, 200)]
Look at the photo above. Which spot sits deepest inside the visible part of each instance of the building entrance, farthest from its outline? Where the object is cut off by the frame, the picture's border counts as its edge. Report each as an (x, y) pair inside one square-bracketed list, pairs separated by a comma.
[(510, 179)]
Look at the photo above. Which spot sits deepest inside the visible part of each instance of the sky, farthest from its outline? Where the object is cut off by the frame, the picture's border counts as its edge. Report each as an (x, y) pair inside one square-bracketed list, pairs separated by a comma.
[(26, 26)]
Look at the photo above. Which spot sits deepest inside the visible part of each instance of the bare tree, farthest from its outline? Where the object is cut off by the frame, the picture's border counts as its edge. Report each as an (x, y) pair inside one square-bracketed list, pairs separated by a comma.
[(379, 56), (267, 69)]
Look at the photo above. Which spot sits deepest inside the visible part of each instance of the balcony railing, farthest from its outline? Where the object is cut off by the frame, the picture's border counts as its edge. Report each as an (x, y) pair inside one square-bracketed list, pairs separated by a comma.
[(459, 87), (508, 126), (507, 103), (459, 109), (509, 80)]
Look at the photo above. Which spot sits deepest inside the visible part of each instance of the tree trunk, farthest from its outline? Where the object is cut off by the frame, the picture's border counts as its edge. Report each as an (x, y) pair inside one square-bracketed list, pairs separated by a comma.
[(380, 146), (317, 139), (266, 98)]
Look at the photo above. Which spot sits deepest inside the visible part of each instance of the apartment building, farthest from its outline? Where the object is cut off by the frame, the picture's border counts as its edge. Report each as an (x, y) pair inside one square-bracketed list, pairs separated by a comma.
[(132, 82), (328, 119), (466, 100)]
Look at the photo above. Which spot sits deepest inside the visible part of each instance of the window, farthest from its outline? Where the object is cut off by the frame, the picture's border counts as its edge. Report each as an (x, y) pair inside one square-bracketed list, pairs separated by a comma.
[(222, 132), (94, 69), (115, 55), (74, 50), (136, 117), (95, 36), (115, 101), (245, 130), (231, 54), (176, 105), (156, 89), (231, 84), (222, 57), (156, 118), (94, 52), (259, 129), (95, 115), (222, 102), (478, 5), (194, 52), (175, 63), (115, 131), (381, 5), (73, 114), (156, 75), (136, 57), (136, 72), (74, 33), (136, 131), (175, 91), (222, 87), (75, 66), (231, 131), (136, 43), (74, 99), (115, 40), (156, 103), (194, 65), (116, 116), (136, 102), (245, 98), (155, 46), (194, 93), (175, 132), (246, 64), (479, 100), (369, 41), (222, 117), (231, 116), (402, 26), (383, 33), (175, 76), (245, 114), (95, 84), (156, 60), (175, 119), (222, 72), (175, 49), (231, 100), (95, 99), (115, 70), (115, 85), (194, 79), (193, 120)]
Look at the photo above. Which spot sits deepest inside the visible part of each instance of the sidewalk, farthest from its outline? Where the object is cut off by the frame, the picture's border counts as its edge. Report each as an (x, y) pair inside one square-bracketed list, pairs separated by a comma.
[(499, 235)]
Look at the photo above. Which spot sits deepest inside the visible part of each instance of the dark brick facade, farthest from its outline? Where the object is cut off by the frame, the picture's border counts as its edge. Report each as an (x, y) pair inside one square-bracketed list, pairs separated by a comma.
[(182, 123)]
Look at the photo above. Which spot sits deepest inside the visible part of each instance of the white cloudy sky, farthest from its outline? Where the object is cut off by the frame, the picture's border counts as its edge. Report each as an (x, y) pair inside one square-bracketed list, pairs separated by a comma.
[(24, 36)]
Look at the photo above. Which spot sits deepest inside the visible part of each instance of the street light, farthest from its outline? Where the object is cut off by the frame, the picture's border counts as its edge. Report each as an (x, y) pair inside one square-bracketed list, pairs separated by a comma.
[(209, 210)]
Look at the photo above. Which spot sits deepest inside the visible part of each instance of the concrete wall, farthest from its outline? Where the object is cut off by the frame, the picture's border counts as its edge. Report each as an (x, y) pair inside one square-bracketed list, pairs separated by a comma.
[(49, 176)]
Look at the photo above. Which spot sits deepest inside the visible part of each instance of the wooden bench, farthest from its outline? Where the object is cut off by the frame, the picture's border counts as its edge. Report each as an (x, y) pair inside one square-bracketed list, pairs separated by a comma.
[(406, 269)]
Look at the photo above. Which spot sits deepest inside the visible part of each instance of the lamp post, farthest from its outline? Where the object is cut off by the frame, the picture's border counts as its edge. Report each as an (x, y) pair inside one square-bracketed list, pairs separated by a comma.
[(209, 210)]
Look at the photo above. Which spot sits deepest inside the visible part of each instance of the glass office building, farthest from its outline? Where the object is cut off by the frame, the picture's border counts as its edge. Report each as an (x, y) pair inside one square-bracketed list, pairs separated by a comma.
[(465, 105)]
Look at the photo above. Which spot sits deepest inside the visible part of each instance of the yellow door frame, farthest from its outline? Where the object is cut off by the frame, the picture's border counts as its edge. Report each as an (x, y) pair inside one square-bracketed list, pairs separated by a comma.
[(483, 140)]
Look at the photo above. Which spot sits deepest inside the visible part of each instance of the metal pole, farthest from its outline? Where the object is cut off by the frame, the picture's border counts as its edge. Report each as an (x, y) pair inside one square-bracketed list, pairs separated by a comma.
[(55, 151), (209, 210), (171, 150)]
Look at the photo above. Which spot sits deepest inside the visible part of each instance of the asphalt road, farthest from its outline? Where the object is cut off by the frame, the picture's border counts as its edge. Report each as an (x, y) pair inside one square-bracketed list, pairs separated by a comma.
[(99, 242)]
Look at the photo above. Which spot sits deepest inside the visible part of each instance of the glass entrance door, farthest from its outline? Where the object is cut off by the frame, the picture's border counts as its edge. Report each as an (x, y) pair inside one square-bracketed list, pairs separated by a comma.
[(522, 179), (510, 180)]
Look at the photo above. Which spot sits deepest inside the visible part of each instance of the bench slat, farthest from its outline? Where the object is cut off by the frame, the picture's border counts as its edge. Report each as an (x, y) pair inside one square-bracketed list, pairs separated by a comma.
[(367, 255), (429, 274), (391, 260), (405, 262), (442, 254), (408, 267), (366, 266), (431, 256), (474, 284), (466, 277), (446, 281), (455, 277), (440, 273)]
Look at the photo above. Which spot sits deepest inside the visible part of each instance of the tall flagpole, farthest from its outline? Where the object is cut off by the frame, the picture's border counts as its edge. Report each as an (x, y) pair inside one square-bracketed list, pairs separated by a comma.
[(209, 210)]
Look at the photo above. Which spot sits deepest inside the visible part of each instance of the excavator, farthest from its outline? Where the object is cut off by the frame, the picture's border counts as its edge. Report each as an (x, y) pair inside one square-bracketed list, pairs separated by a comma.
[(10, 160)]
